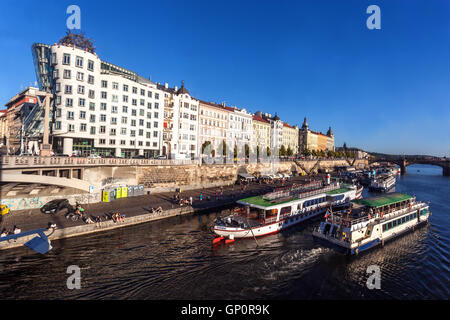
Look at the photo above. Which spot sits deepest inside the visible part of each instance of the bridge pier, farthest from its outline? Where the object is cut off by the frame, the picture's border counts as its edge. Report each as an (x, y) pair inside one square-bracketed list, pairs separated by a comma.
[(446, 171), (403, 166)]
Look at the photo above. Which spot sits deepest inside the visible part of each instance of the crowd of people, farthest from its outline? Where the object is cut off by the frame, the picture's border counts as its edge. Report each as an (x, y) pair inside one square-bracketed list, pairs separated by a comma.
[(15, 230)]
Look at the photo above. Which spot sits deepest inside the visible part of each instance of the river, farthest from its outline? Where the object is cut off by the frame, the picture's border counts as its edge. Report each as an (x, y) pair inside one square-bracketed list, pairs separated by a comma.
[(174, 259)]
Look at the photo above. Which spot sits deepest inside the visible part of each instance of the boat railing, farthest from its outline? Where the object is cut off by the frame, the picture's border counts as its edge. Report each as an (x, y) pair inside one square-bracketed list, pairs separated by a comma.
[(388, 214)]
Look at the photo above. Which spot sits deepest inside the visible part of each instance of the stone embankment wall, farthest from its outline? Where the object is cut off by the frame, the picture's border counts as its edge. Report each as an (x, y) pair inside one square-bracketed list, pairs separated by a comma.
[(168, 178)]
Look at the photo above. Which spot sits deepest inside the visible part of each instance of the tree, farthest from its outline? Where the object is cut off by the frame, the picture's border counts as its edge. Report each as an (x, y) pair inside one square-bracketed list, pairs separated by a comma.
[(205, 145), (269, 153), (224, 148), (257, 151), (235, 151), (289, 152), (247, 151), (282, 150)]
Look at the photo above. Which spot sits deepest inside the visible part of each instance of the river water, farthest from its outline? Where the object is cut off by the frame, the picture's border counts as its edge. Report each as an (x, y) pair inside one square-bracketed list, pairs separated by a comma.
[(174, 259)]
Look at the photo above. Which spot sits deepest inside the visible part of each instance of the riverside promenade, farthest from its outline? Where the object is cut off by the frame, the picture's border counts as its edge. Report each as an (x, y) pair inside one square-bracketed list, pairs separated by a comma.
[(137, 210)]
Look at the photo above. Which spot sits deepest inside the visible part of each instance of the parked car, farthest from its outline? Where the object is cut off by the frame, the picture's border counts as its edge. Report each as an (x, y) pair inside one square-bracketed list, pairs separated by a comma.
[(54, 206), (161, 157), (138, 157)]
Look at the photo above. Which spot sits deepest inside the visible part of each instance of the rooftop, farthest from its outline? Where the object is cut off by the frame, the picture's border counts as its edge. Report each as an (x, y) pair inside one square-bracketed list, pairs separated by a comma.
[(384, 200)]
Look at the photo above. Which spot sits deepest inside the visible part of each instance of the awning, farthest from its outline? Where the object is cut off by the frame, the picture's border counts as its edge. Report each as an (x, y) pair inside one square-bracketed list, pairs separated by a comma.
[(246, 176)]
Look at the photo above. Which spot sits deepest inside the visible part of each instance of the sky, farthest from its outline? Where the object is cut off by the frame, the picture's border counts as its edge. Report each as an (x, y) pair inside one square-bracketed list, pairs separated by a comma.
[(385, 90)]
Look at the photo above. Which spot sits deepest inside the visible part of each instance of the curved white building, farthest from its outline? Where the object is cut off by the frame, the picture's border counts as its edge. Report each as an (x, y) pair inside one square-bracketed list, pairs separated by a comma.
[(99, 108)]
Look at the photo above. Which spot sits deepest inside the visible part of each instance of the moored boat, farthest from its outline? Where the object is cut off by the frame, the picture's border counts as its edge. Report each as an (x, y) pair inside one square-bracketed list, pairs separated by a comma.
[(283, 208), (383, 183), (371, 221)]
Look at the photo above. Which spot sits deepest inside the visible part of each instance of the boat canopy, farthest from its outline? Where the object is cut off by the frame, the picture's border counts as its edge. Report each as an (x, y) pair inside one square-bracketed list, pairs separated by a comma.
[(384, 200), (246, 176)]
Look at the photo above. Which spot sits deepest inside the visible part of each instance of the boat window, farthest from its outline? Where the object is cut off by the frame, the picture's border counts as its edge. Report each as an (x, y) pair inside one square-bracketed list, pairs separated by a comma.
[(394, 223), (389, 225), (403, 220), (286, 210), (384, 227)]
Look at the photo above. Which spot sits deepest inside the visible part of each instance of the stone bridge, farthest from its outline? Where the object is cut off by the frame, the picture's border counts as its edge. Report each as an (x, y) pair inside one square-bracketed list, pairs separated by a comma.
[(404, 161)]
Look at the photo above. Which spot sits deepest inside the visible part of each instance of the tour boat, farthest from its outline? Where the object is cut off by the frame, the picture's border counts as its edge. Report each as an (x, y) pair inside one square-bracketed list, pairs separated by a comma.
[(370, 222), (382, 183), (262, 215)]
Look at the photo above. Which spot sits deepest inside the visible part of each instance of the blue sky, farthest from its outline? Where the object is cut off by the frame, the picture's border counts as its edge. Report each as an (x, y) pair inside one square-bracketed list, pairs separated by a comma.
[(382, 90)]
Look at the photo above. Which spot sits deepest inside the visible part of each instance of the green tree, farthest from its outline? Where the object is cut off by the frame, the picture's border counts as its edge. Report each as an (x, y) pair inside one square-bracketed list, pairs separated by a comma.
[(224, 148), (257, 151), (205, 145), (283, 151), (269, 153), (247, 151), (289, 152)]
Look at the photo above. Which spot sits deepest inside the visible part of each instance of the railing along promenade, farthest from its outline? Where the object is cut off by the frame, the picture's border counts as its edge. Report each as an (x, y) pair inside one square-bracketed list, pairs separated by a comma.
[(15, 162)]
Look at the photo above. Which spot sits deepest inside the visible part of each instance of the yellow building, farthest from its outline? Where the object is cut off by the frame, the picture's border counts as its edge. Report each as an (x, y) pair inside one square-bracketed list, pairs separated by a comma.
[(213, 125), (290, 137), (313, 140), (261, 133)]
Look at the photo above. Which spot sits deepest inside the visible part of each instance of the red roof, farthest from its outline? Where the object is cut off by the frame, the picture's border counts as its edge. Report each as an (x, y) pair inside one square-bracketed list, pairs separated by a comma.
[(288, 125), (256, 118)]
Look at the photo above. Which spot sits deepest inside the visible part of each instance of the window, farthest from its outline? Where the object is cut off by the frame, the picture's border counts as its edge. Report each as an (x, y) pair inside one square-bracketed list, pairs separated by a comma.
[(149, 105), (133, 112), (149, 94), (155, 124), (66, 74), (104, 95), (112, 132), (155, 134), (114, 109), (157, 96), (141, 122), (68, 89), (83, 127), (81, 89), (92, 130), (124, 109), (124, 120), (133, 133), (113, 120), (104, 84), (123, 131), (112, 141), (71, 128), (141, 132), (80, 76), (142, 102), (122, 142), (81, 102), (58, 113), (156, 105), (134, 90), (58, 125), (91, 94), (103, 106), (90, 65), (142, 92), (142, 112), (102, 141), (69, 102), (133, 123), (92, 106), (92, 118), (134, 102), (66, 59), (125, 98), (90, 79), (79, 62), (102, 129), (125, 88), (103, 117), (70, 115)]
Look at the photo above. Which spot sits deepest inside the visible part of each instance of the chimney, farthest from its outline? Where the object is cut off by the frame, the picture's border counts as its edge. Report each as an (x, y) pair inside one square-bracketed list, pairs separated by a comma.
[(224, 104), (166, 85), (175, 88)]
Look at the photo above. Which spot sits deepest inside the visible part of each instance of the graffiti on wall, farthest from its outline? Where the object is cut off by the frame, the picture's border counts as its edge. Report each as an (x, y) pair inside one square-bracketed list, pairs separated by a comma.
[(23, 203)]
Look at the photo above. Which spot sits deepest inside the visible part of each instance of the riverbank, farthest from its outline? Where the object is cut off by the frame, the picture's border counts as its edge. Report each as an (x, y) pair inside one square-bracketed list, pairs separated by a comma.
[(136, 209)]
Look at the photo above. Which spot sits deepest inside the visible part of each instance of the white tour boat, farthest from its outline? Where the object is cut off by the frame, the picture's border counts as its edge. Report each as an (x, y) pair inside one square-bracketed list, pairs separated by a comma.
[(383, 183), (370, 222), (262, 215)]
